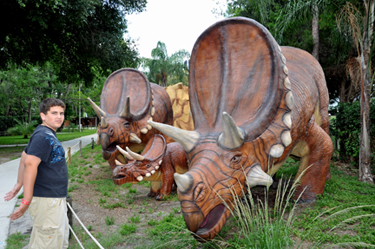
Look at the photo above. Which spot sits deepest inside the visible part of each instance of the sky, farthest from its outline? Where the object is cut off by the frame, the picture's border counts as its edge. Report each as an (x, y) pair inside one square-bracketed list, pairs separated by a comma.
[(177, 23)]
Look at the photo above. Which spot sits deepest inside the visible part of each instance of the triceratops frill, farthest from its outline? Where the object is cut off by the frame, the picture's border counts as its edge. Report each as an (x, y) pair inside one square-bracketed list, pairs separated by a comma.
[(128, 100), (253, 105)]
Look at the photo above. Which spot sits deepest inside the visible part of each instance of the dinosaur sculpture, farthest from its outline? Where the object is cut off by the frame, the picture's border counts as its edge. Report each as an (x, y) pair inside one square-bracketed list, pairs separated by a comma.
[(179, 96), (253, 104), (157, 164), (128, 100)]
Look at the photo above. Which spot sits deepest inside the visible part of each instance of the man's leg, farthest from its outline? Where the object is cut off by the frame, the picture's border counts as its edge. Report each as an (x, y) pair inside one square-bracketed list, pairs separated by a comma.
[(50, 223)]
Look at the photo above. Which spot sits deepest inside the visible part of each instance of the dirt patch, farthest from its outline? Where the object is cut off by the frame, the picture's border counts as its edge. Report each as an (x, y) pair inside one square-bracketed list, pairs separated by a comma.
[(10, 153)]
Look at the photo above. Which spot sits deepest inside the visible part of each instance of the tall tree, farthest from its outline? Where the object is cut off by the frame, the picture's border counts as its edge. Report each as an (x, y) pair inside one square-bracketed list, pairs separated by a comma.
[(76, 35), (161, 65), (361, 27)]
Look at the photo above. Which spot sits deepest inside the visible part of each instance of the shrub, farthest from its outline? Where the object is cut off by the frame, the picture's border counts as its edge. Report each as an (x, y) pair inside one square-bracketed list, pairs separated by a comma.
[(346, 128), (24, 129)]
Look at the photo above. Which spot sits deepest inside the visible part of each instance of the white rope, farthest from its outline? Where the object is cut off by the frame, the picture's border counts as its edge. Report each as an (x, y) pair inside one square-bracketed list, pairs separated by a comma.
[(75, 236), (70, 149), (74, 145), (87, 231)]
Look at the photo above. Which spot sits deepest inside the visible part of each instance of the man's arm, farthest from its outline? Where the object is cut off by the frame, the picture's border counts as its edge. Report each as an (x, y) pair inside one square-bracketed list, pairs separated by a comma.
[(31, 170), (17, 187)]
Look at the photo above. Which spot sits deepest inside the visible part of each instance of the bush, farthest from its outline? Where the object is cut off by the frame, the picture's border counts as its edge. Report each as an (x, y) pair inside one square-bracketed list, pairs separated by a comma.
[(24, 129), (346, 128)]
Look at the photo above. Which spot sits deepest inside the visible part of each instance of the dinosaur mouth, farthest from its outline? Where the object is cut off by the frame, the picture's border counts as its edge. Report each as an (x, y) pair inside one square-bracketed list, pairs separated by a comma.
[(118, 180), (111, 148), (211, 221)]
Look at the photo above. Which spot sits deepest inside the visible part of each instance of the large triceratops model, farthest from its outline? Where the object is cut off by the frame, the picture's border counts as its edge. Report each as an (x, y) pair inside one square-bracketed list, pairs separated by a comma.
[(253, 104), (157, 164), (128, 100)]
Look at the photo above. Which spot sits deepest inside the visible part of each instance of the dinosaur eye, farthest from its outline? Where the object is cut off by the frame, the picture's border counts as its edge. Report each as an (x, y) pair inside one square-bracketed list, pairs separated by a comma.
[(127, 125), (236, 159)]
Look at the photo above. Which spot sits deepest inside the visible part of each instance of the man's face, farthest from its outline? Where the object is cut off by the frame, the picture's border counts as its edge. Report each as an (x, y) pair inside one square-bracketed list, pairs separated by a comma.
[(54, 117)]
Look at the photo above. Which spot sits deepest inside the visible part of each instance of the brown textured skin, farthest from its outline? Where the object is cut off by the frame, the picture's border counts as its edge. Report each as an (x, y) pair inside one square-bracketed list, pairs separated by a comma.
[(236, 67), (132, 83), (173, 158), (179, 96)]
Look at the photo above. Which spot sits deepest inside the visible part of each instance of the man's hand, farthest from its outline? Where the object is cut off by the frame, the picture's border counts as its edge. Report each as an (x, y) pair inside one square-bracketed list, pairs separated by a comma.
[(19, 212), (11, 194)]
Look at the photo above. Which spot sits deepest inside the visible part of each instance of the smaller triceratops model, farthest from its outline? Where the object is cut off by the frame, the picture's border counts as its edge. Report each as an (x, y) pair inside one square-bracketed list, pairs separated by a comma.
[(157, 164), (253, 103), (128, 100)]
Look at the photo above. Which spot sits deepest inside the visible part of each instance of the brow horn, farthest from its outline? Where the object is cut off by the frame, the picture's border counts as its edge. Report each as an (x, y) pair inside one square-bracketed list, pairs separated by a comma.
[(97, 109), (126, 112), (187, 139), (232, 136)]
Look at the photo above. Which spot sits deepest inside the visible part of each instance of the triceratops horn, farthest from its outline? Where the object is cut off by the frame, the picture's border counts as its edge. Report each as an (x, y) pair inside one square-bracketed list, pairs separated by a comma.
[(135, 155), (97, 109), (187, 139), (257, 176), (126, 154), (184, 181), (134, 138), (126, 112), (232, 136), (103, 123)]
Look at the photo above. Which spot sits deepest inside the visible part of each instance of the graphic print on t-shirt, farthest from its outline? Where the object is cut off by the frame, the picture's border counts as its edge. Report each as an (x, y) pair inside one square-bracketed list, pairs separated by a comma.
[(58, 153)]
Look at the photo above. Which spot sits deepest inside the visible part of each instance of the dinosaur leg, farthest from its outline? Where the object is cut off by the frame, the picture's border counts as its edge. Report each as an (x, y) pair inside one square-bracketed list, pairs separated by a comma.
[(168, 179), (314, 165), (155, 188)]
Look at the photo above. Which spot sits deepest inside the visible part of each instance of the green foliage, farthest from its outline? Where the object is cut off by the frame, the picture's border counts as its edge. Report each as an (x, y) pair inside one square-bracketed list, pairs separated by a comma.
[(78, 37), (127, 229), (17, 240), (346, 128), (135, 219), (109, 220), (25, 129), (161, 66), (259, 226), (346, 206)]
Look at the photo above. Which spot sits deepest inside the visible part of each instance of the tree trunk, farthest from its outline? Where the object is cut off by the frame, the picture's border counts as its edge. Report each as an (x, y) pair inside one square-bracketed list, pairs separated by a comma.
[(315, 30), (163, 79), (365, 174), (29, 112)]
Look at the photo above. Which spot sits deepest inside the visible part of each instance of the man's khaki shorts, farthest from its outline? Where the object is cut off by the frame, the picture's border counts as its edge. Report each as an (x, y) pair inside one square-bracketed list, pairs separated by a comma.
[(50, 223)]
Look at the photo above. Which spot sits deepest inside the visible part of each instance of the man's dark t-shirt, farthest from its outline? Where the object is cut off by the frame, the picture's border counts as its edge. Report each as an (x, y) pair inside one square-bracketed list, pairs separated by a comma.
[(52, 178)]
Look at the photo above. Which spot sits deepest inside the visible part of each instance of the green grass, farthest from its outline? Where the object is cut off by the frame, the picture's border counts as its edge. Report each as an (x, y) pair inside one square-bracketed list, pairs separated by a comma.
[(17, 240), (346, 213), (109, 220), (61, 136), (6, 150)]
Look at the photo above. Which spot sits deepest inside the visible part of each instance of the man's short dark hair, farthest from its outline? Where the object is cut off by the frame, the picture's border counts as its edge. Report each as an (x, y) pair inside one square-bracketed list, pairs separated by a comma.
[(48, 103)]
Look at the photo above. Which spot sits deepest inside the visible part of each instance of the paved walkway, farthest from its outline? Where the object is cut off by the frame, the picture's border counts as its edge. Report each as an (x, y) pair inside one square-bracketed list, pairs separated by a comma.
[(8, 178)]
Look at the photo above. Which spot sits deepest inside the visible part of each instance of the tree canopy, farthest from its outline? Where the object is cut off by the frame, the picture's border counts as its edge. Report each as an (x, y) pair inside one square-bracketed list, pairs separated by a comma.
[(76, 36)]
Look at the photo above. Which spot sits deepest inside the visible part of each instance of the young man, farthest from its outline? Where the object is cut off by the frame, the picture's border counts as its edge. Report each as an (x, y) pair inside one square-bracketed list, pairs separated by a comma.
[(43, 173)]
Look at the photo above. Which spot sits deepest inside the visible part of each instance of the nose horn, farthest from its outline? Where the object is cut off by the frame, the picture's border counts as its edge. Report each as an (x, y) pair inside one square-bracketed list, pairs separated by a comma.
[(184, 181)]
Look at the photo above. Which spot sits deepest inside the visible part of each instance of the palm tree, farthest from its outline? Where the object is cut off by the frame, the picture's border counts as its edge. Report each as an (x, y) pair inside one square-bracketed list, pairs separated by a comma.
[(24, 129), (299, 9), (161, 65), (361, 27)]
